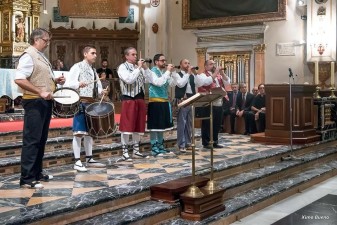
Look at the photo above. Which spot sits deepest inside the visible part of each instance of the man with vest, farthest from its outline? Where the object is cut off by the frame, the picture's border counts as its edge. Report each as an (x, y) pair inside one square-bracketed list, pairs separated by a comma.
[(133, 74), (35, 76), (186, 82), (159, 113), (81, 77), (219, 80)]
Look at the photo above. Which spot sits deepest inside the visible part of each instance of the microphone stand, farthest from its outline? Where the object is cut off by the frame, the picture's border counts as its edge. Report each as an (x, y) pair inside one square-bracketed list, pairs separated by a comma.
[(290, 156)]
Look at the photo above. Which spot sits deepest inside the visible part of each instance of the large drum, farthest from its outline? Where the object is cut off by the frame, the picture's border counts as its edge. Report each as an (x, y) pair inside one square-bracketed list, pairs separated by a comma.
[(100, 119), (66, 102)]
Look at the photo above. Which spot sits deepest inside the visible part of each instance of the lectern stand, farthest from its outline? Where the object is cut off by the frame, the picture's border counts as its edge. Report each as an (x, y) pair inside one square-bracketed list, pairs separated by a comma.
[(200, 203)]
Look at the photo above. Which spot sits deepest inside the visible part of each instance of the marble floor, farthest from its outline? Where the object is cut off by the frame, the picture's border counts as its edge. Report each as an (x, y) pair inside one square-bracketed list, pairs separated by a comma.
[(68, 182), (304, 208)]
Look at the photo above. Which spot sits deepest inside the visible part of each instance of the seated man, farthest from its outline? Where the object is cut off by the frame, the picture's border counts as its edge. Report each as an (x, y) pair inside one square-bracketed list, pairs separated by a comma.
[(259, 109), (233, 96), (244, 103)]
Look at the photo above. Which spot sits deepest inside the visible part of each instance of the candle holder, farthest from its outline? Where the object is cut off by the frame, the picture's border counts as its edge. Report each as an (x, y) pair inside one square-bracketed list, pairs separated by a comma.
[(332, 95), (316, 94)]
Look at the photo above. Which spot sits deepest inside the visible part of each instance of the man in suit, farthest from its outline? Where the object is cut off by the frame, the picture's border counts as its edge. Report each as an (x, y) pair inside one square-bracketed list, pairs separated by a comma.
[(244, 103), (259, 108), (232, 97)]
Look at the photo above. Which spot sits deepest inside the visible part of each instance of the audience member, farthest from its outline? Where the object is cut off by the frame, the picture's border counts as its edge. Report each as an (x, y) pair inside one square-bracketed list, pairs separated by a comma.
[(244, 103), (105, 69)]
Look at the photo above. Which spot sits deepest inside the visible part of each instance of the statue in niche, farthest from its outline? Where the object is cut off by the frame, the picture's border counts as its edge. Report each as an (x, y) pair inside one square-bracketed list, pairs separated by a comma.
[(321, 11), (19, 29)]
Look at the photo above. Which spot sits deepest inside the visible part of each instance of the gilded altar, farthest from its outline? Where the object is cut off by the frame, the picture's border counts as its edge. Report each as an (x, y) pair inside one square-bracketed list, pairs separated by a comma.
[(18, 18)]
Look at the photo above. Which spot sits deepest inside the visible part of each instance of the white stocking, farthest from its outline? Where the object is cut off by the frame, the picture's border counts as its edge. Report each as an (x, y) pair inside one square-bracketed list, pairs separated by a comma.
[(77, 147), (88, 141)]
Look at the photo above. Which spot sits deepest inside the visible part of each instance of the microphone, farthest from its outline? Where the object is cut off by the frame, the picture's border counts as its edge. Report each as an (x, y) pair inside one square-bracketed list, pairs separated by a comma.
[(290, 73)]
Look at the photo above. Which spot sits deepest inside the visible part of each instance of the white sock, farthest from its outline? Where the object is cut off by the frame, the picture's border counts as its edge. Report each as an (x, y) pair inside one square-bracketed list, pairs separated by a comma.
[(88, 141), (77, 147), (125, 139)]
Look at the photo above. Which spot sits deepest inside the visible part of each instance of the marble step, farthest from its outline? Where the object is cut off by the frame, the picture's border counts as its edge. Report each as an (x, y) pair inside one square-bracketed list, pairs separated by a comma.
[(90, 205), (16, 136), (246, 203), (64, 156), (61, 142), (237, 203), (53, 144)]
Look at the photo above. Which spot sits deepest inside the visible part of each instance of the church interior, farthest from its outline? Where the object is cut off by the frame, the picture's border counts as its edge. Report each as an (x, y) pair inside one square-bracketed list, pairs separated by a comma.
[(281, 173)]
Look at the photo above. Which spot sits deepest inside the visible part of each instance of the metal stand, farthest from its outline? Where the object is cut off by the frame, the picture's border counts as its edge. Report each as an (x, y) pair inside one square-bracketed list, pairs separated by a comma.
[(290, 156), (193, 191)]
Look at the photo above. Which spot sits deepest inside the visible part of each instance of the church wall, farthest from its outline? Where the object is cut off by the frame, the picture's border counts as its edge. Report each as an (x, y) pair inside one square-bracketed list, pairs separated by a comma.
[(292, 30), (177, 43)]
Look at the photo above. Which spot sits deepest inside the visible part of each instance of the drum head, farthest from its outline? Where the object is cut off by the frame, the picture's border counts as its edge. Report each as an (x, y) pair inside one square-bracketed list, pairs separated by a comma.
[(68, 96), (99, 109)]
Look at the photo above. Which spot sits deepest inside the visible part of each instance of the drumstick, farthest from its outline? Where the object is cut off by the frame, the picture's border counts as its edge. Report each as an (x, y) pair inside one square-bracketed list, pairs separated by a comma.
[(93, 81), (62, 96), (103, 94)]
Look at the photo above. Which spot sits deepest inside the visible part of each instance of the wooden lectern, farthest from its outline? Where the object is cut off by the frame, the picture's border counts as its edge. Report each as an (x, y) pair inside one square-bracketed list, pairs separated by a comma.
[(278, 111)]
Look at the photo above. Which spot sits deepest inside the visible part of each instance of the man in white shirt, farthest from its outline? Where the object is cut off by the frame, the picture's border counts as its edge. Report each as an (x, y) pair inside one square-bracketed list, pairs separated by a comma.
[(219, 79), (186, 82), (133, 74), (35, 76), (81, 77)]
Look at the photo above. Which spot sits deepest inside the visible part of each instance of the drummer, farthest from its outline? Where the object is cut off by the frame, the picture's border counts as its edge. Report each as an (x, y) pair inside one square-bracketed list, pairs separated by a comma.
[(83, 77)]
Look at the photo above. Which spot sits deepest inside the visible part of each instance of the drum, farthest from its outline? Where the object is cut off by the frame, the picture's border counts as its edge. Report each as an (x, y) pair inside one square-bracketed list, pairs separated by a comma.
[(66, 102), (100, 119)]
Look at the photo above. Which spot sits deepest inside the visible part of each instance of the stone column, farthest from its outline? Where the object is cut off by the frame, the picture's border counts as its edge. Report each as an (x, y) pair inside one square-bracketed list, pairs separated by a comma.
[(259, 53), (201, 57)]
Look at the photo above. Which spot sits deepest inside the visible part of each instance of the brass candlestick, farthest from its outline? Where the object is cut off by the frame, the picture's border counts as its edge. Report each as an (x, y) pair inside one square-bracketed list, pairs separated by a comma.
[(332, 95), (316, 94)]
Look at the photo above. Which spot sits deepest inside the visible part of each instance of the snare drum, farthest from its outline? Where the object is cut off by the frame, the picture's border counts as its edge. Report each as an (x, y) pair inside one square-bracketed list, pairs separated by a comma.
[(66, 102), (100, 119)]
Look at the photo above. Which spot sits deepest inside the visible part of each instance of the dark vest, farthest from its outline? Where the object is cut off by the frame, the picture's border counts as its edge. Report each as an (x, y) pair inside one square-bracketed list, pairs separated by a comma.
[(180, 92)]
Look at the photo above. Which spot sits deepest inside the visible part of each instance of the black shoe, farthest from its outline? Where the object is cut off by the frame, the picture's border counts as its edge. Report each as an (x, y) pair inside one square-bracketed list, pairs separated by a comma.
[(31, 185), (218, 146), (246, 133), (44, 177)]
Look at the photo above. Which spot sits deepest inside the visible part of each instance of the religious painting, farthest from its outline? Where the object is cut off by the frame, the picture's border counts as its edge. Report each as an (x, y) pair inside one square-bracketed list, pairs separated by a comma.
[(19, 27), (57, 17), (219, 13), (130, 18)]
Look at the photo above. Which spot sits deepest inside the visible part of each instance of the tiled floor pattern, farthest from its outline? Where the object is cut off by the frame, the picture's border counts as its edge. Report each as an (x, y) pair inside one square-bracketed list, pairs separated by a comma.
[(313, 206), (68, 182)]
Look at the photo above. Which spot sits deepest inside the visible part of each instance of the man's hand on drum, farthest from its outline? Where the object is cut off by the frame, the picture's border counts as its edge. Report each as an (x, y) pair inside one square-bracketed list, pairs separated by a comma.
[(60, 80), (46, 95), (82, 84)]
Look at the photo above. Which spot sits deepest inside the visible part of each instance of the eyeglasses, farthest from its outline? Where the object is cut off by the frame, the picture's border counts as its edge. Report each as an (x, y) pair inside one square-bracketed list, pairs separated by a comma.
[(162, 60), (45, 40)]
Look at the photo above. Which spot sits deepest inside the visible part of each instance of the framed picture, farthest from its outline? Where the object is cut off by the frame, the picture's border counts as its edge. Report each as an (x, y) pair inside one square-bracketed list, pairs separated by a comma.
[(129, 18), (285, 49), (216, 13), (57, 17)]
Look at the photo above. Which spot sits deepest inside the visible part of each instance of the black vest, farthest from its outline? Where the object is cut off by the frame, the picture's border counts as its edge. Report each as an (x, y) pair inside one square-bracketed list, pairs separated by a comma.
[(180, 92)]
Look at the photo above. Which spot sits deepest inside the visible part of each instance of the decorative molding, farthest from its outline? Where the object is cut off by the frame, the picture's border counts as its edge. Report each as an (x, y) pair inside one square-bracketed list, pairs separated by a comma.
[(201, 51), (188, 23), (61, 51), (260, 48), (230, 37)]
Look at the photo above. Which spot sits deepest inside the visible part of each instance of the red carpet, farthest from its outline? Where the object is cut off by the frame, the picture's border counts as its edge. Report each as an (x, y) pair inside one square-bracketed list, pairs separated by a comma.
[(54, 123)]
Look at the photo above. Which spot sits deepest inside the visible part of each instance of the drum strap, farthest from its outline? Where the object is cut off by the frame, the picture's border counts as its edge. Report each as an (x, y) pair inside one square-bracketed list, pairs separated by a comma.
[(95, 90)]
